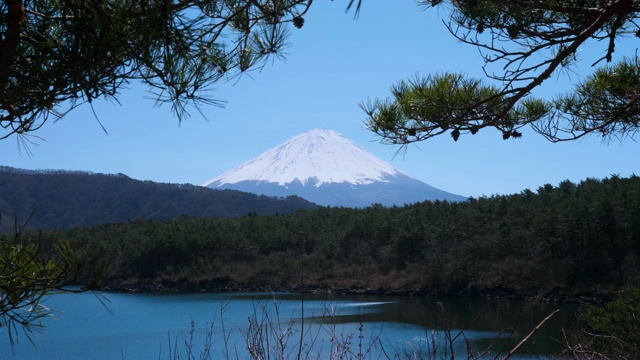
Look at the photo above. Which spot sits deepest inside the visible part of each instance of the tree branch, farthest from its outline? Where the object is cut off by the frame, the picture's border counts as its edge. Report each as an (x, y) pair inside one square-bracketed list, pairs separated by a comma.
[(8, 48), (530, 334), (613, 9)]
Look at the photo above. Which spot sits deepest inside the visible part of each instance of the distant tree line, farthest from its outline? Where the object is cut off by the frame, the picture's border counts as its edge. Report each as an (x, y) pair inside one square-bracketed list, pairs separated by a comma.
[(64, 199), (566, 240)]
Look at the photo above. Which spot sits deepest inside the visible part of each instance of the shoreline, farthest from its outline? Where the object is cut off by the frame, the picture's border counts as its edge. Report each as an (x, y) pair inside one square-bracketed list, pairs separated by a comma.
[(223, 285)]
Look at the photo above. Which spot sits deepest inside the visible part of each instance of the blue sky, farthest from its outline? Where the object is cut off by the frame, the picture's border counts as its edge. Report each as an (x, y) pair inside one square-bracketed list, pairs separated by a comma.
[(334, 62)]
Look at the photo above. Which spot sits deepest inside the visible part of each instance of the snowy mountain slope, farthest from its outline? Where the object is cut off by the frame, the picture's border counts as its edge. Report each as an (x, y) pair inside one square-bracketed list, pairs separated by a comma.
[(324, 155), (324, 167)]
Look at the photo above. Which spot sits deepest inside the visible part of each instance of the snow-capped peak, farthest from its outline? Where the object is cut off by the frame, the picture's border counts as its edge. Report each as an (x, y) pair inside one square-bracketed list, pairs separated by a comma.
[(317, 156)]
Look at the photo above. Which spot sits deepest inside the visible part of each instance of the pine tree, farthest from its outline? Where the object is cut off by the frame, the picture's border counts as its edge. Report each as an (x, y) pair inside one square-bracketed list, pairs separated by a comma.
[(58, 54), (523, 44)]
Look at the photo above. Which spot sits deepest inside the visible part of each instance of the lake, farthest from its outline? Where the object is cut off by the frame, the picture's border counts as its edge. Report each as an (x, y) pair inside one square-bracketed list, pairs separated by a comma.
[(159, 326)]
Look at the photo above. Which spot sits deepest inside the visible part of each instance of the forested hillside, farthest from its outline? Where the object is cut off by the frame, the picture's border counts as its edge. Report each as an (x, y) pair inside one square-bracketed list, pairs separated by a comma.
[(570, 240), (63, 199)]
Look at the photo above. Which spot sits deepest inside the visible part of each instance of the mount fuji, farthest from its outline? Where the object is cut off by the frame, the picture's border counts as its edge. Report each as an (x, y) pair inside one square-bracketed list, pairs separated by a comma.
[(324, 167)]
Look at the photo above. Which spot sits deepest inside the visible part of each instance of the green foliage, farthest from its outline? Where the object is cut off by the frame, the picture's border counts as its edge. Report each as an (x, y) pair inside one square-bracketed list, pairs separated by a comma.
[(448, 102), (606, 103), (611, 330), (570, 240), (522, 44), (57, 54), (30, 271)]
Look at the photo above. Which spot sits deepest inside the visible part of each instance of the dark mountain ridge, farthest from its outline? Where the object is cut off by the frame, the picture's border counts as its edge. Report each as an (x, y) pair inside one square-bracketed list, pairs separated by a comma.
[(395, 190), (63, 199)]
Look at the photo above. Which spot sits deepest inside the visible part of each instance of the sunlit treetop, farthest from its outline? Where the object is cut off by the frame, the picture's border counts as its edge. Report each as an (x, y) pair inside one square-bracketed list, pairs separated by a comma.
[(57, 54), (523, 43)]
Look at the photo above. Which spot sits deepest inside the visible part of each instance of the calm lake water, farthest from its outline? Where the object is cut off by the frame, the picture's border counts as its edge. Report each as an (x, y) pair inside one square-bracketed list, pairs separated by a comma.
[(157, 326)]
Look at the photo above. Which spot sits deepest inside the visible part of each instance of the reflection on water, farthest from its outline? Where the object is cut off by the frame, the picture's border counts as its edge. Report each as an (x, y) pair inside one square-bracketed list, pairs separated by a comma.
[(493, 325), (139, 326)]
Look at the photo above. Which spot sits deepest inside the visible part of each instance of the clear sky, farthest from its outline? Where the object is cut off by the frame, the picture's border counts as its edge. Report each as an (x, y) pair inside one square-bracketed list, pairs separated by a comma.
[(334, 62)]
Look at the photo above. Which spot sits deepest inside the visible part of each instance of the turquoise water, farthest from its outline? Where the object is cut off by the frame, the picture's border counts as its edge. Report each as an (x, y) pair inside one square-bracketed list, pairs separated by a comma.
[(158, 326)]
